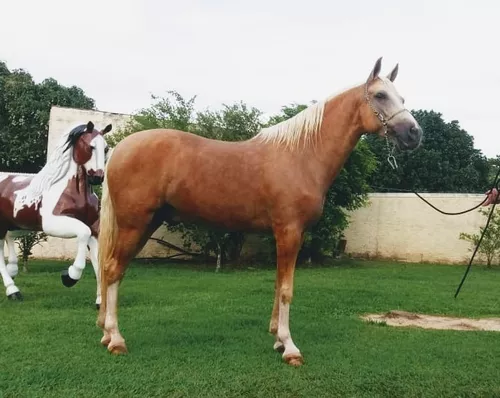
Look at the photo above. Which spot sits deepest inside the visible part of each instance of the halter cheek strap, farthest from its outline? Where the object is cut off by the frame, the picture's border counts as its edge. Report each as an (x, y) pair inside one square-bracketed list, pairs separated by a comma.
[(390, 158), (379, 115)]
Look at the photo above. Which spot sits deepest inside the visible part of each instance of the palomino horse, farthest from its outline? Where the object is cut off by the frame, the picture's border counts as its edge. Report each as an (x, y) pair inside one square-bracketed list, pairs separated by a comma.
[(59, 201), (275, 181)]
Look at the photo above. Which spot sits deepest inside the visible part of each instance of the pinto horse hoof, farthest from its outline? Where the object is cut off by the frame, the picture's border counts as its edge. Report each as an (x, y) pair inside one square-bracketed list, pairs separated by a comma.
[(294, 359), (279, 347), (98, 306), (17, 296), (67, 280)]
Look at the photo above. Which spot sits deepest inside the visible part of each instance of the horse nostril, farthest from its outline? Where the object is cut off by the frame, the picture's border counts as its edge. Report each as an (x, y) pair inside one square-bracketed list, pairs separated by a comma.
[(414, 131)]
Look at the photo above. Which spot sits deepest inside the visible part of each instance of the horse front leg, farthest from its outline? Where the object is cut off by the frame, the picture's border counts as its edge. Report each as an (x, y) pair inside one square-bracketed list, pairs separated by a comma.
[(12, 264), (288, 242), (11, 289), (93, 252), (66, 228)]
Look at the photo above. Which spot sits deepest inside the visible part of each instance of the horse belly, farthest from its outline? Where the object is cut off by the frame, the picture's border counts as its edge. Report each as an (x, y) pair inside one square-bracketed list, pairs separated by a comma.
[(242, 211)]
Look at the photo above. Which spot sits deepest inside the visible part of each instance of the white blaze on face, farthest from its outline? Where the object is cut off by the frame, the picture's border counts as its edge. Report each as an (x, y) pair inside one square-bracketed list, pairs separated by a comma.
[(97, 160)]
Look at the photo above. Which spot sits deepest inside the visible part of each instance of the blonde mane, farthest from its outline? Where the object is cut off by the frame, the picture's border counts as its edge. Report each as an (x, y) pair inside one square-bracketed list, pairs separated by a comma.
[(289, 133), (304, 126), (57, 167)]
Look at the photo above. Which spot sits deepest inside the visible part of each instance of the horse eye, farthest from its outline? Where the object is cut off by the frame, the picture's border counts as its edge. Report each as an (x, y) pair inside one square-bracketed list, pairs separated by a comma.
[(381, 95)]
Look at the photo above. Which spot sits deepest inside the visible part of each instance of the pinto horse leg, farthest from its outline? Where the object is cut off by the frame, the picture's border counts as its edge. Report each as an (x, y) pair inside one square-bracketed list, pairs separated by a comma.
[(68, 227), (12, 291), (12, 264), (93, 251), (288, 242)]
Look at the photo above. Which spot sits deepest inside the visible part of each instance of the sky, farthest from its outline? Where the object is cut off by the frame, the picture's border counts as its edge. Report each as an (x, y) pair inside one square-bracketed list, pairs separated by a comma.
[(266, 53)]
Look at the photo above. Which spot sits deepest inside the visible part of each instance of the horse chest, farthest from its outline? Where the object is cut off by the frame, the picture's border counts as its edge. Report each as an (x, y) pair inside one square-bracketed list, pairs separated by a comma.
[(77, 201)]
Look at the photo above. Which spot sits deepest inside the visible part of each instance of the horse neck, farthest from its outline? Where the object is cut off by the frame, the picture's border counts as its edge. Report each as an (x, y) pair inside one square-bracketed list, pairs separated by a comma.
[(340, 131), (73, 170), (82, 183)]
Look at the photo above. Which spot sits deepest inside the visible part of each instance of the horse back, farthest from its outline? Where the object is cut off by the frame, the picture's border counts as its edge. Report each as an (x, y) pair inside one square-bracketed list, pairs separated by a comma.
[(236, 185)]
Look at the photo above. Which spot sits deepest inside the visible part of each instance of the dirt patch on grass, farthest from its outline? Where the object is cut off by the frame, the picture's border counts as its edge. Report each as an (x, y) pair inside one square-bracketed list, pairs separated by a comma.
[(408, 319)]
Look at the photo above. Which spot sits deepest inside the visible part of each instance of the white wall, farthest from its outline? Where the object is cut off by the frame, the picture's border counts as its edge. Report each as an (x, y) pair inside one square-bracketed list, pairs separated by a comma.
[(401, 226)]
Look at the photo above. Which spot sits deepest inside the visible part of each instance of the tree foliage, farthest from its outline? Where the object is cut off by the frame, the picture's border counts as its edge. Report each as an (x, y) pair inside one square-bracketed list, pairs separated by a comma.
[(24, 117), (490, 245), (446, 161), (26, 241)]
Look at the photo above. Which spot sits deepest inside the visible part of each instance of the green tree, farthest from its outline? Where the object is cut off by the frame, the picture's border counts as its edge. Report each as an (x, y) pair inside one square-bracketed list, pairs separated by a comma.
[(445, 162), (490, 245), (26, 241), (24, 117)]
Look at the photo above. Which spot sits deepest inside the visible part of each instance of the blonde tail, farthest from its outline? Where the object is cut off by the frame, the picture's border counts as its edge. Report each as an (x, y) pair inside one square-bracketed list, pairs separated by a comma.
[(107, 233)]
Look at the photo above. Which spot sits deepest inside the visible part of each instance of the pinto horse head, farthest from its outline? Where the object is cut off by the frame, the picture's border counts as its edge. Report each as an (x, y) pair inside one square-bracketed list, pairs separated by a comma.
[(89, 150), (384, 111)]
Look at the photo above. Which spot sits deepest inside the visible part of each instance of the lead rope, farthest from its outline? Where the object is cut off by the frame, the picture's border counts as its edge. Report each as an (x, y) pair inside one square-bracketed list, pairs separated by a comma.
[(392, 161)]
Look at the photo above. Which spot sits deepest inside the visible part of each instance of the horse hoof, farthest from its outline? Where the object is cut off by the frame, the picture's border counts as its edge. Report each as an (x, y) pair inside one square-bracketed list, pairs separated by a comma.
[(294, 359), (67, 280), (118, 349), (105, 340), (98, 306), (279, 347), (17, 296)]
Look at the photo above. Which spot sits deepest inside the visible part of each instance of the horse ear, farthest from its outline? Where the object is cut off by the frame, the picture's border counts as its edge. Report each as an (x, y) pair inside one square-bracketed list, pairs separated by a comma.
[(107, 129), (375, 71), (392, 76), (90, 126)]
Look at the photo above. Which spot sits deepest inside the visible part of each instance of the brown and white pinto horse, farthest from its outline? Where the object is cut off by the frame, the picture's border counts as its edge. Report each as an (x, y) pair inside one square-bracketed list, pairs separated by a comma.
[(59, 201), (275, 181)]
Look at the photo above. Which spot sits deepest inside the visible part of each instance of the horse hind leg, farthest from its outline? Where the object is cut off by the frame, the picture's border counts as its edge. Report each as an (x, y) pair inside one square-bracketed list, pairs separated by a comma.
[(129, 241), (12, 264), (11, 289)]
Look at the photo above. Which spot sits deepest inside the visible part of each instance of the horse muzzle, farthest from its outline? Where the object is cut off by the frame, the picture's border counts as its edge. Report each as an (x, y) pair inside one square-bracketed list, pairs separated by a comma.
[(408, 136), (96, 177)]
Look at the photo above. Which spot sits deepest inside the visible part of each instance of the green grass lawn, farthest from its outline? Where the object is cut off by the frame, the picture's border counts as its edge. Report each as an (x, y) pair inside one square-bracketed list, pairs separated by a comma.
[(194, 333)]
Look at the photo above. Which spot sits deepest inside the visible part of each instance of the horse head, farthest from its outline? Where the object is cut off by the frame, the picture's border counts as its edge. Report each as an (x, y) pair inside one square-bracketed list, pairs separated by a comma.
[(89, 150), (384, 111)]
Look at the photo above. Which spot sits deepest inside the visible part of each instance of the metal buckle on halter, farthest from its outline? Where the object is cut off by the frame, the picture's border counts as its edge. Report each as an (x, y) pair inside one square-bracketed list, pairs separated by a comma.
[(392, 161)]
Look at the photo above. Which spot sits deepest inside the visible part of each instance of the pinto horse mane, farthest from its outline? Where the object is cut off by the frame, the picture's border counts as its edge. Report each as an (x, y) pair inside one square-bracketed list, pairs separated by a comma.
[(73, 135), (56, 167)]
